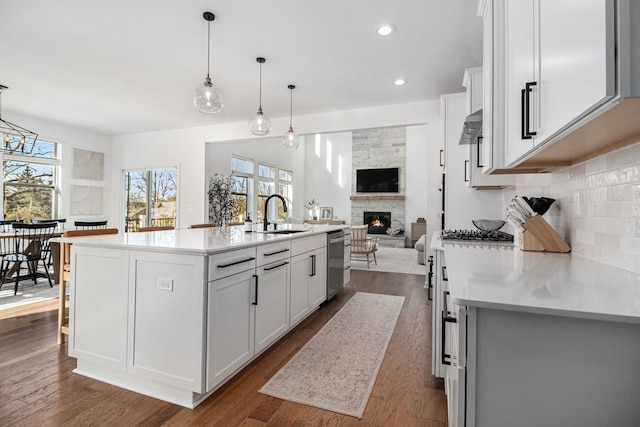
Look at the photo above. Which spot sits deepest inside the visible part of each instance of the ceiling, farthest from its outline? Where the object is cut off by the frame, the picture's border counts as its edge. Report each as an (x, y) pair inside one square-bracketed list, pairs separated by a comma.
[(128, 66)]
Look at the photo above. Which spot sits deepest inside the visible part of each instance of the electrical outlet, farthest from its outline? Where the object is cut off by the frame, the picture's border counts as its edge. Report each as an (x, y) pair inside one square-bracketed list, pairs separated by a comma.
[(635, 199), (165, 284)]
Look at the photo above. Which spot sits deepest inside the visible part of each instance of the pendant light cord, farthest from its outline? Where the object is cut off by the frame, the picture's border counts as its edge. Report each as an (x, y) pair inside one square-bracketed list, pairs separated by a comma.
[(291, 108), (260, 95), (208, 46)]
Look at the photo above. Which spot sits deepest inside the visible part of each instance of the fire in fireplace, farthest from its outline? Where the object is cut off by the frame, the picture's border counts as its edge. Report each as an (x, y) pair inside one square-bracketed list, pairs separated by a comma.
[(378, 222)]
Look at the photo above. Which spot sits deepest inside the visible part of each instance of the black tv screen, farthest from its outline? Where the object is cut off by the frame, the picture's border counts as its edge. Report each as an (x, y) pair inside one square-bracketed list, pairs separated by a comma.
[(377, 180)]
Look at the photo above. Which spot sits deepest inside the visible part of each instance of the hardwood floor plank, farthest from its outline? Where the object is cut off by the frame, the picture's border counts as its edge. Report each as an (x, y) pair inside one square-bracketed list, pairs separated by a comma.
[(38, 387)]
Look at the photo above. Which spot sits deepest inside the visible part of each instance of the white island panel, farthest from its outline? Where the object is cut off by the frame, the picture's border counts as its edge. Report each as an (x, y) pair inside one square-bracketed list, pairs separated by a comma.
[(168, 307), (98, 306)]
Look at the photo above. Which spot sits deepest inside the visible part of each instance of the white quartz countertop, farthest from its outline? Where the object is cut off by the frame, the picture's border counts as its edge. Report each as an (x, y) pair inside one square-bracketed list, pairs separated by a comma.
[(504, 277), (198, 240)]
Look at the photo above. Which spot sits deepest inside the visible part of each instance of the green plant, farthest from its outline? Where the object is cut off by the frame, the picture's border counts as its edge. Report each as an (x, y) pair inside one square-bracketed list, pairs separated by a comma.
[(220, 199)]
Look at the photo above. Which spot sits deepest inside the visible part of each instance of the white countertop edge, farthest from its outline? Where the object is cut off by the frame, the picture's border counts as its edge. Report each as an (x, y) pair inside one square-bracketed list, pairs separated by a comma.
[(168, 241)]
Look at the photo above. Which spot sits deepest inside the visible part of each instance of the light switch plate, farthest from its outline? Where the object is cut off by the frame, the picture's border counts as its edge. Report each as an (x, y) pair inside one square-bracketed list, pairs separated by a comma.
[(165, 284)]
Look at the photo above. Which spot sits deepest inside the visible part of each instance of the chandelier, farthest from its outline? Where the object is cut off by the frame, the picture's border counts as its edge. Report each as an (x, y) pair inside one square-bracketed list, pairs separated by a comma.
[(15, 138)]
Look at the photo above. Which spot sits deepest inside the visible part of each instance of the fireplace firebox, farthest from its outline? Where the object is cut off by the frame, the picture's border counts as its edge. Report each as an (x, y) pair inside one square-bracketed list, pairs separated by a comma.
[(378, 222)]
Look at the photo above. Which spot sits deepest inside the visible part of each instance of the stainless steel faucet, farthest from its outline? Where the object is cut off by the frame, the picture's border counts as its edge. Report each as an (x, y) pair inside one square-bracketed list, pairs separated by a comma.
[(265, 220)]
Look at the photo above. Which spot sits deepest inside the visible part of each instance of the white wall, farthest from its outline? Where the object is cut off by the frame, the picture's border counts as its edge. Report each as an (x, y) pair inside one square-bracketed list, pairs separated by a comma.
[(328, 172), (416, 174), (70, 138), (185, 148)]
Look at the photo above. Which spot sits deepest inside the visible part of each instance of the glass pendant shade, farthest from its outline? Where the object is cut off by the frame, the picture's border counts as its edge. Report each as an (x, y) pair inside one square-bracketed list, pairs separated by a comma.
[(260, 124), (207, 98), (290, 140)]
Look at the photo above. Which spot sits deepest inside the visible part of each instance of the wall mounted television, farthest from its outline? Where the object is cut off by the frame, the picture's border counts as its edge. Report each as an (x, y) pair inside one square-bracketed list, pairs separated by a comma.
[(381, 180)]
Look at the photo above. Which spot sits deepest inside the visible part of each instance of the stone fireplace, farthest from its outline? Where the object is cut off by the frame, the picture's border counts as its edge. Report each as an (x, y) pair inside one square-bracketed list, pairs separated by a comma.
[(379, 148), (378, 222)]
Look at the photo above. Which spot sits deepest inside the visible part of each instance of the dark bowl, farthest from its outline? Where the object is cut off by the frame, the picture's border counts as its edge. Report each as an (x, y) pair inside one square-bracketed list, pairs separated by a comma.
[(539, 205)]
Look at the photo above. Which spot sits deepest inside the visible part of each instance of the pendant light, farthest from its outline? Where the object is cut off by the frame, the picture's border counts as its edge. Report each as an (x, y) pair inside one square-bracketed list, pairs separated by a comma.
[(16, 138), (290, 140), (260, 124), (207, 97)]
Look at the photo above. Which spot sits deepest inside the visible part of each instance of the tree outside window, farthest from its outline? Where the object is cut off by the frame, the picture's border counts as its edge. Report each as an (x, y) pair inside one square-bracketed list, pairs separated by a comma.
[(30, 182), (150, 197)]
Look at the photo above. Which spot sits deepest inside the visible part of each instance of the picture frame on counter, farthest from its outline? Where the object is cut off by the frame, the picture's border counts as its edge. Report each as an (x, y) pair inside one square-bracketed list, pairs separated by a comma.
[(326, 213)]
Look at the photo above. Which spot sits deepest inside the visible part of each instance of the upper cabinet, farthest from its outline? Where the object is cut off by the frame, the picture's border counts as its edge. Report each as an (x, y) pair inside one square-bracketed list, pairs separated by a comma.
[(560, 75), (475, 161)]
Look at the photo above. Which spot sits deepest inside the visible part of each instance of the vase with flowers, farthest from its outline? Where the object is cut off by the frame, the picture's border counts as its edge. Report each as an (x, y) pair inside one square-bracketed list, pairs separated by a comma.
[(313, 208)]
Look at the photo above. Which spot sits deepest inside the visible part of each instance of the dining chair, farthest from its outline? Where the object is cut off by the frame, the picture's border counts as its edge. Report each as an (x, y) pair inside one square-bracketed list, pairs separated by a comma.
[(30, 246), (64, 274), (89, 225), (205, 225), (159, 228), (362, 245), (7, 225)]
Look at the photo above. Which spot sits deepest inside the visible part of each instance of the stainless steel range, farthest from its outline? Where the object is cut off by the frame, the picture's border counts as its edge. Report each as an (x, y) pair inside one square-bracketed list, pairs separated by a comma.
[(476, 235)]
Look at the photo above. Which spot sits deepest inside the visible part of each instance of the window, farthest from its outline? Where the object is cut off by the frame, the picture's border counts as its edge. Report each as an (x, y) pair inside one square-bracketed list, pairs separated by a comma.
[(150, 198), (242, 183), (248, 199), (30, 179)]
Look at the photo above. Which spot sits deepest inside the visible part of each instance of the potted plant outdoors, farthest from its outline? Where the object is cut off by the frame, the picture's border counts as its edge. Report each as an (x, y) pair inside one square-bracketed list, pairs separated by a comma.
[(220, 199)]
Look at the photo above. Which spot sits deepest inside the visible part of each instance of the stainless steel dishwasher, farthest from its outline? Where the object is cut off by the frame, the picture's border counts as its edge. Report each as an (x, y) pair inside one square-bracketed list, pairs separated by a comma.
[(335, 263)]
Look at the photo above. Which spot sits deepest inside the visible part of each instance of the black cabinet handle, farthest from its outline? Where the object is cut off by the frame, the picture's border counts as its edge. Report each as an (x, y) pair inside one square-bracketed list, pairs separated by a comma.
[(479, 147), (445, 277), (523, 115), (430, 276), (441, 158), (466, 166), (255, 301), (277, 252), (275, 266), (313, 265), (526, 111), (446, 358), (235, 263)]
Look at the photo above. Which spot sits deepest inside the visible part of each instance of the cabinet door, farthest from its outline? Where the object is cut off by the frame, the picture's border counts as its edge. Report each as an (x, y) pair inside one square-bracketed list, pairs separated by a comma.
[(230, 339), (576, 61), (520, 68), (301, 270), (272, 308), (318, 278)]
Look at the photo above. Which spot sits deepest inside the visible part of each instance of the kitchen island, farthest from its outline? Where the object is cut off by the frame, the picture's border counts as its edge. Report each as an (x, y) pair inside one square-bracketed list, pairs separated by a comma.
[(175, 314), (533, 339)]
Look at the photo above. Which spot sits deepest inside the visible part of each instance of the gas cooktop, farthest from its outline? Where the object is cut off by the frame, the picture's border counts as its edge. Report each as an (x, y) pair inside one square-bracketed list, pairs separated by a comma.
[(476, 235)]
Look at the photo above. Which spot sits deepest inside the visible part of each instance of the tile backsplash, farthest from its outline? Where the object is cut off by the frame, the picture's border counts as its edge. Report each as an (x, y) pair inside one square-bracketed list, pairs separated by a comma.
[(595, 210)]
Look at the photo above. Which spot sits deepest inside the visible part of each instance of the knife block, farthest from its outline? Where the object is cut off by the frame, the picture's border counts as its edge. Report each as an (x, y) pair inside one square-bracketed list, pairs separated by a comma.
[(540, 236)]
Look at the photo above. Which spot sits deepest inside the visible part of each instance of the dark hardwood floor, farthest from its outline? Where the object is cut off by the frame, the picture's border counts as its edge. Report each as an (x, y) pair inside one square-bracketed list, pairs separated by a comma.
[(37, 387)]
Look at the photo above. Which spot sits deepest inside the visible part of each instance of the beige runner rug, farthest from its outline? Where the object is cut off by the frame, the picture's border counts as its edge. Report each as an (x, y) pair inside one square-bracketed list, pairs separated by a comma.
[(337, 368)]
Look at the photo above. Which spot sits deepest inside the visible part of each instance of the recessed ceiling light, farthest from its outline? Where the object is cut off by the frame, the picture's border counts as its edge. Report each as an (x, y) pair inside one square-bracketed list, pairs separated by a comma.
[(399, 82), (386, 29)]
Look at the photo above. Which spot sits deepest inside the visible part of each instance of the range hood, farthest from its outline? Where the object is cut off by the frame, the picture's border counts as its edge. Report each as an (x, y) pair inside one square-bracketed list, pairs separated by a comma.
[(471, 129)]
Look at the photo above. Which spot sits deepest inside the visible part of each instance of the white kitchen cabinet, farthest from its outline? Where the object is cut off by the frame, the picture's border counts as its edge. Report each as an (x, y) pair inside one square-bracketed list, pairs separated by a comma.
[(230, 325), (347, 256), (271, 303), (555, 73), (308, 276), (473, 82)]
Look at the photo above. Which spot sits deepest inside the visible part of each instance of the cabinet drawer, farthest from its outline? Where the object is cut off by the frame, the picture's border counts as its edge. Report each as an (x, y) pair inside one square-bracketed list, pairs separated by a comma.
[(273, 252), (307, 244), (347, 249), (228, 263)]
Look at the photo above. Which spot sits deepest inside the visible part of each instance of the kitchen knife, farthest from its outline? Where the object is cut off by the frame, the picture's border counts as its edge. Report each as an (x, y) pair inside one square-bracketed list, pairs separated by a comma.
[(516, 206), (514, 223), (516, 215), (523, 204)]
